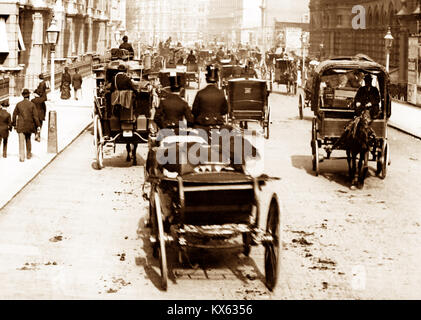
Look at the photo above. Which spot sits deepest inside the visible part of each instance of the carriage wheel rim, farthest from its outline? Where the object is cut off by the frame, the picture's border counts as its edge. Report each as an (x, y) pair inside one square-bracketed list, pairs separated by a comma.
[(161, 249), (300, 107), (99, 145), (272, 250)]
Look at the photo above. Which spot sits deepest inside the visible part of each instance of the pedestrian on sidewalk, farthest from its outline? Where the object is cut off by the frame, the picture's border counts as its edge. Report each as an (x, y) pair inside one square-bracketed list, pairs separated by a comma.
[(77, 83), (25, 120), (5, 126), (41, 110), (41, 90), (66, 81)]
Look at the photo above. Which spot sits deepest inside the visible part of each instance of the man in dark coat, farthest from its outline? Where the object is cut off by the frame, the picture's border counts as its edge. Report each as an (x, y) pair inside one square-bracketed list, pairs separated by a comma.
[(127, 46), (173, 109), (210, 105), (191, 58), (41, 90), (5, 126), (368, 97), (40, 106), (77, 83), (25, 120)]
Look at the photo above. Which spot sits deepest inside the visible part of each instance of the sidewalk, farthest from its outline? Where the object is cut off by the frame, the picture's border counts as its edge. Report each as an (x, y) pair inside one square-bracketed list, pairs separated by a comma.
[(73, 117), (406, 118)]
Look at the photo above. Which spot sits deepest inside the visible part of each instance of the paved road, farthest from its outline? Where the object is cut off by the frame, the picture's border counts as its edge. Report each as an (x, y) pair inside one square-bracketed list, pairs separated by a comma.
[(78, 233)]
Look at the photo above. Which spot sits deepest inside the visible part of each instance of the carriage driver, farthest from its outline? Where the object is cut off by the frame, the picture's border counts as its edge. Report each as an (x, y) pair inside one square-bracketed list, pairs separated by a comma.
[(123, 91), (172, 108), (367, 97), (210, 105)]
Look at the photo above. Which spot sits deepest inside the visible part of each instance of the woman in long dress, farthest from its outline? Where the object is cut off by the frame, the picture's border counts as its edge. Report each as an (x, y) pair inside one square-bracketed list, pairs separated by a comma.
[(66, 80)]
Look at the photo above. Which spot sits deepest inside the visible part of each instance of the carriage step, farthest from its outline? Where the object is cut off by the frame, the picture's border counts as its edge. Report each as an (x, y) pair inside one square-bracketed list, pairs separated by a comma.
[(167, 238), (262, 238)]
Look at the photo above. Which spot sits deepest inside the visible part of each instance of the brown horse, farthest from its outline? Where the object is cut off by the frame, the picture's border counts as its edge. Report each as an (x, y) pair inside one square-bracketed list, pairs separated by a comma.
[(356, 140)]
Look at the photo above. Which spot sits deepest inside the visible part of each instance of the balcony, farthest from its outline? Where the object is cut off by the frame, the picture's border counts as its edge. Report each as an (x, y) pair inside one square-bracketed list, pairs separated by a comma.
[(38, 4)]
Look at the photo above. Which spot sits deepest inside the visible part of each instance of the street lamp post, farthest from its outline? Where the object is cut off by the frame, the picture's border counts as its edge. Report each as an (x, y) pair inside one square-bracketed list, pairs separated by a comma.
[(52, 36), (388, 43)]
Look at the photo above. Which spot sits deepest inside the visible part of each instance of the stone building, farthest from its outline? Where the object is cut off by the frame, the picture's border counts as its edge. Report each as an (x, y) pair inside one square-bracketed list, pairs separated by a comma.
[(333, 33), (87, 28), (152, 21)]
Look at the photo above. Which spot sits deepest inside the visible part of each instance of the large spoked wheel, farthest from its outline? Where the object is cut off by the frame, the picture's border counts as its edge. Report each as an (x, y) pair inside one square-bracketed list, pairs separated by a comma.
[(300, 107), (162, 256), (272, 249), (383, 161), (266, 124), (315, 149), (98, 145)]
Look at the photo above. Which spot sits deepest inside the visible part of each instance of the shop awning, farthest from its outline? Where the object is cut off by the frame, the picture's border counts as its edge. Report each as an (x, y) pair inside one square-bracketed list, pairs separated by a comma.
[(21, 45), (4, 45)]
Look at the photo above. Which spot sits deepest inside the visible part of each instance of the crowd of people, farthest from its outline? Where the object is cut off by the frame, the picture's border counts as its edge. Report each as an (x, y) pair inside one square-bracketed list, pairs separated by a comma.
[(29, 114)]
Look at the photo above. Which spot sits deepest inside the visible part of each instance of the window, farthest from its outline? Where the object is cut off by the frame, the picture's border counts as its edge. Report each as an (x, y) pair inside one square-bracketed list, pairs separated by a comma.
[(4, 45)]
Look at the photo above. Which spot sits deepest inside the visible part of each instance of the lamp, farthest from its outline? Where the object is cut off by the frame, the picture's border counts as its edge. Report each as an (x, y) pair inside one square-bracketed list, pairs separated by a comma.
[(388, 38), (53, 33), (321, 50)]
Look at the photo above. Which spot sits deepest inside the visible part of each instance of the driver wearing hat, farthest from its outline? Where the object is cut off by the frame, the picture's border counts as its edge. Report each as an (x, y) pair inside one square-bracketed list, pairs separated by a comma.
[(210, 105), (367, 96), (172, 108)]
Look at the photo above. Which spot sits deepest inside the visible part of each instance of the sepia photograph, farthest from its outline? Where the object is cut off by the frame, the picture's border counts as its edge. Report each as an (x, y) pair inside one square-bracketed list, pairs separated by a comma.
[(236, 151)]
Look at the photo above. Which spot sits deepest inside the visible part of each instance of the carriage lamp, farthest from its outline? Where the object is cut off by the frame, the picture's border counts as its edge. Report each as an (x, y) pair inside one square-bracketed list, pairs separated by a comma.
[(53, 32), (388, 38)]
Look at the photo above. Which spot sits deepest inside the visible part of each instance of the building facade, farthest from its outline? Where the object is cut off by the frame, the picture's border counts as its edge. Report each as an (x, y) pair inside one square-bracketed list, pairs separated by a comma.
[(336, 30), (87, 27), (152, 21)]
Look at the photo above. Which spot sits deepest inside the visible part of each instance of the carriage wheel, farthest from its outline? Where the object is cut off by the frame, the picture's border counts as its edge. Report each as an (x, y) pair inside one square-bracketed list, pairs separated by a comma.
[(247, 243), (315, 156), (272, 249), (266, 128), (383, 161), (99, 148), (266, 124), (300, 107), (162, 256)]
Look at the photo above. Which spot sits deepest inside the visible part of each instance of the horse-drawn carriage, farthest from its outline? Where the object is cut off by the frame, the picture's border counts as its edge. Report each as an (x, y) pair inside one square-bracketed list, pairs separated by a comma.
[(193, 74), (333, 103), (229, 71), (207, 204), (284, 73), (114, 123), (248, 102)]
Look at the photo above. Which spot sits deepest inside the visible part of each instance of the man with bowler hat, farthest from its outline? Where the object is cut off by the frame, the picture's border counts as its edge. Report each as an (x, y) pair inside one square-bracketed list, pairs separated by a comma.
[(25, 120)]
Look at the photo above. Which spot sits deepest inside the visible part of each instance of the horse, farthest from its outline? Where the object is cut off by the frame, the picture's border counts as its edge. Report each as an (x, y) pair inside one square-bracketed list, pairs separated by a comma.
[(356, 140)]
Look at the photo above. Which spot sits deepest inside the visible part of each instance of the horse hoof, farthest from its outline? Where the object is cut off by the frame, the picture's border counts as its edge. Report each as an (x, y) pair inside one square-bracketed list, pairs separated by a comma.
[(128, 159)]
